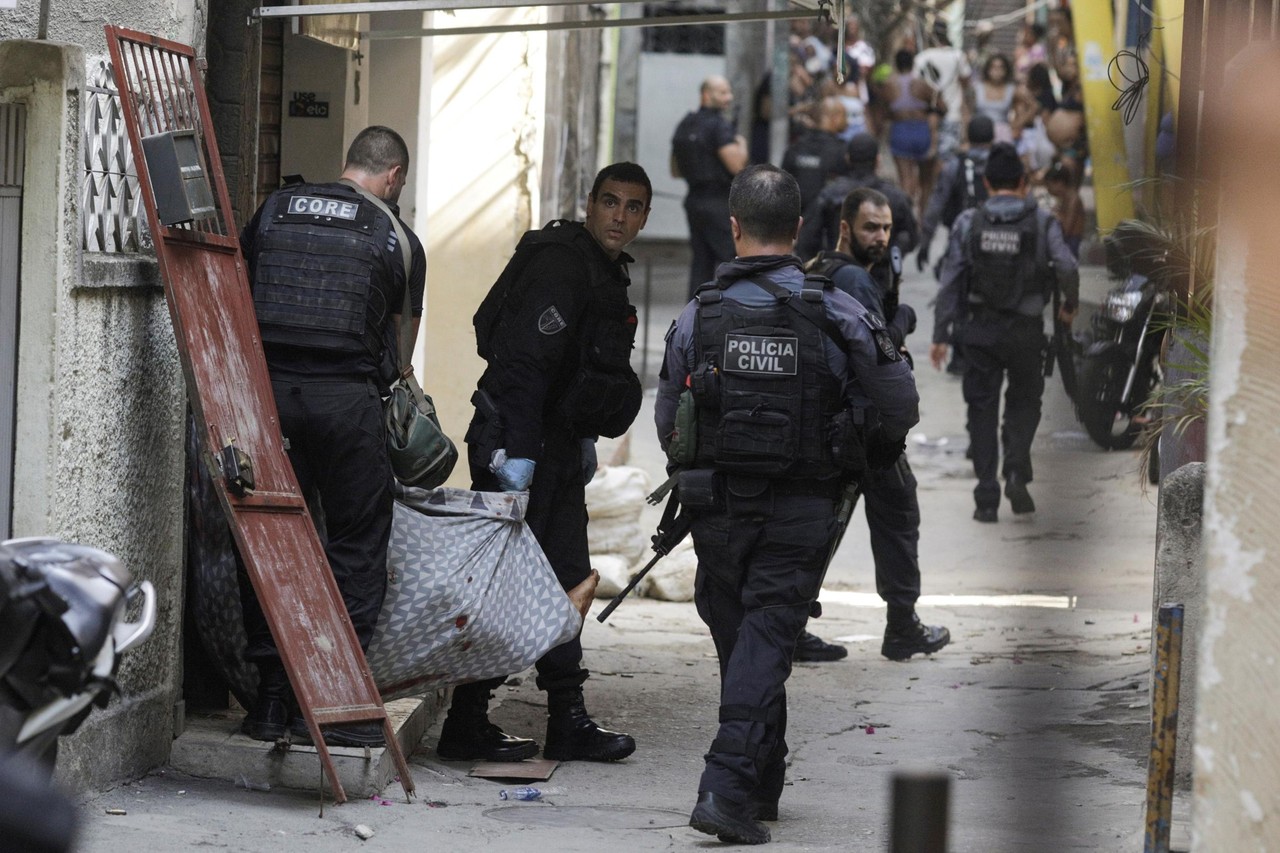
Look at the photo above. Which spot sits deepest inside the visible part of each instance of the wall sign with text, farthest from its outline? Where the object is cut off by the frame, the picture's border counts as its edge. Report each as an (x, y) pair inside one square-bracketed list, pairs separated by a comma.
[(307, 104)]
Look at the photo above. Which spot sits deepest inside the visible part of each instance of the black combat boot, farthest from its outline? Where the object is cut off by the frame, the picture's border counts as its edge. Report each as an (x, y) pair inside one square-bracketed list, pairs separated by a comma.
[(727, 820), (574, 736), (811, 648), (467, 734), (905, 635), (269, 717)]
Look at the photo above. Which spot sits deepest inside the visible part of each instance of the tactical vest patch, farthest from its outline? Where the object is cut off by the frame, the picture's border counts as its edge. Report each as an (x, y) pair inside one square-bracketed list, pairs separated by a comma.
[(1000, 241), (550, 322), (761, 354), (306, 205)]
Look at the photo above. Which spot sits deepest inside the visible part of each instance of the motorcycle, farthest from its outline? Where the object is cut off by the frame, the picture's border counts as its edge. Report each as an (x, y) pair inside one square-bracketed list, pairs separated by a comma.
[(64, 608), (1120, 369)]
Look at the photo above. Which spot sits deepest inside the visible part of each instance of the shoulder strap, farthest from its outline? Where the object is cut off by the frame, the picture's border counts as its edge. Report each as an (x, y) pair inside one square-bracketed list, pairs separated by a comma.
[(406, 253), (811, 296)]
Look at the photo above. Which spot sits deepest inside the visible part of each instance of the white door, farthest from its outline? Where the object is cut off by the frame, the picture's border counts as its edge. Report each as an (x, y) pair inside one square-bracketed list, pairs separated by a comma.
[(13, 133)]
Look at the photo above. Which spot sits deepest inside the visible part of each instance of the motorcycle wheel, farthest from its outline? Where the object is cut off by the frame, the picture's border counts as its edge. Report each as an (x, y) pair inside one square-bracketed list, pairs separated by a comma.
[(1101, 408)]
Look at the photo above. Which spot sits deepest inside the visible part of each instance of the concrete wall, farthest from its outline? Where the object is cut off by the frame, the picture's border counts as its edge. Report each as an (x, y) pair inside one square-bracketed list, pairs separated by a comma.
[(396, 86), (1179, 579), (669, 88), (314, 147), (81, 23), (100, 400), (1237, 784), (484, 162)]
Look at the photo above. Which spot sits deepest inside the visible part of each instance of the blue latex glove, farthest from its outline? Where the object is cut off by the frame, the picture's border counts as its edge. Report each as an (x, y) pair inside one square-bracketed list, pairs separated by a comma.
[(515, 474), (589, 461)]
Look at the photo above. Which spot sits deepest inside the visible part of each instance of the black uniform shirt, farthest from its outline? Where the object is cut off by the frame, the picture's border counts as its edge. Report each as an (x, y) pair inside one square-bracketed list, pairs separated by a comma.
[(308, 362), (539, 354), (814, 159), (952, 182), (696, 147)]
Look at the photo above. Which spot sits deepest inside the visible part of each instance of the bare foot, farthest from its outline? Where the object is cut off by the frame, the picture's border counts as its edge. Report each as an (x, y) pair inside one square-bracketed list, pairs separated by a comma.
[(584, 593)]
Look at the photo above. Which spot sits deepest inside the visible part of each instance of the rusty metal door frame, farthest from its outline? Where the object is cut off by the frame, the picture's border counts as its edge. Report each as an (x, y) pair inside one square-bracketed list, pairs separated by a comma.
[(207, 289), (13, 140)]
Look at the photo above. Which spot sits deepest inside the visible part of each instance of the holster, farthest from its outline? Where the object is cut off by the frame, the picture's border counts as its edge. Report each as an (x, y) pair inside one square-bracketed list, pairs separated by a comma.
[(485, 433)]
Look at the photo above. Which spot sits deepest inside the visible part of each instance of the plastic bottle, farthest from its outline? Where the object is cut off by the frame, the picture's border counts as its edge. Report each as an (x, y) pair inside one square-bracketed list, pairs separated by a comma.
[(525, 793), (520, 793)]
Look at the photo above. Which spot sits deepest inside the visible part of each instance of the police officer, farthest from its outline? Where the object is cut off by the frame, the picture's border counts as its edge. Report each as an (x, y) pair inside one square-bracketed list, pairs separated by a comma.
[(864, 265), (819, 155), (771, 360), (556, 331), (1004, 258), (959, 187), (707, 152), (328, 280), (821, 226)]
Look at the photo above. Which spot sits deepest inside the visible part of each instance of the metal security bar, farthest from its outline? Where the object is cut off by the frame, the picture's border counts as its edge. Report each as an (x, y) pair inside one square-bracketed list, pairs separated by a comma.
[(161, 97)]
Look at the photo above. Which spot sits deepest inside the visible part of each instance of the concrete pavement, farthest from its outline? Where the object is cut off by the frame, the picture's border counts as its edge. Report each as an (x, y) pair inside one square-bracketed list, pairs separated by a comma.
[(1038, 711)]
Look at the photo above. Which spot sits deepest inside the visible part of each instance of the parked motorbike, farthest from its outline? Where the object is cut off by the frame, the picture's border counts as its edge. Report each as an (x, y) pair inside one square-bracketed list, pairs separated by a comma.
[(63, 608), (1120, 369)]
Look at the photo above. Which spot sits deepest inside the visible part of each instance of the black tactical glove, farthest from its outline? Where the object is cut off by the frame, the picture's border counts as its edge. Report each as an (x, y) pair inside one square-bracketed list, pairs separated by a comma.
[(882, 453)]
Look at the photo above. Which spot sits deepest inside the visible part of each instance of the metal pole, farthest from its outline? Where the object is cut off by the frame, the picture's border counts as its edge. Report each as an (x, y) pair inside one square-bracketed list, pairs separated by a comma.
[(648, 300), (920, 804), (591, 24), (1167, 675)]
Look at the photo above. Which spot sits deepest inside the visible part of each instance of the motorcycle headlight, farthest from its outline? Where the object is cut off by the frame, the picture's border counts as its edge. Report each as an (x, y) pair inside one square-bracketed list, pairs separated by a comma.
[(1119, 305)]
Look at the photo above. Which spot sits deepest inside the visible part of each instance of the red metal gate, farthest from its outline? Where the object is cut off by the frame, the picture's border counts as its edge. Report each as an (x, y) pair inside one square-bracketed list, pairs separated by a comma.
[(207, 289)]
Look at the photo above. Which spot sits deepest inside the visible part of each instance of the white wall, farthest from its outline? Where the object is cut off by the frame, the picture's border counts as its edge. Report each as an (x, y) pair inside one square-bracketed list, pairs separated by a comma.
[(314, 147), (669, 88), (484, 162)]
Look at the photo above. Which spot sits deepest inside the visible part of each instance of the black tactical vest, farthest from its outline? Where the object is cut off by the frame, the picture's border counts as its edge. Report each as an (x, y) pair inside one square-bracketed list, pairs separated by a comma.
[(322, 275), (695, 151), (602, 396), (1006, 257), (764, 391)]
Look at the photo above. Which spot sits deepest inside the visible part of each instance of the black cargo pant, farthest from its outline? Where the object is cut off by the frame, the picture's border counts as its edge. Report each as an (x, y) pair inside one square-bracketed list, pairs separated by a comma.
[(710, 238), (337, 445), (557, 516), (997, 346), (893, 520), (760, 566)]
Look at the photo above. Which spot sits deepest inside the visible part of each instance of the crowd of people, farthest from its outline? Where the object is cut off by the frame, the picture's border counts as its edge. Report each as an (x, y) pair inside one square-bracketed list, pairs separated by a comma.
[(917, 102)]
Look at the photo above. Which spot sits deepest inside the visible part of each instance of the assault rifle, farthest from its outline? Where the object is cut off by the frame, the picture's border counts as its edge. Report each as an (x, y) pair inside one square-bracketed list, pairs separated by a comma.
[(672, 529)]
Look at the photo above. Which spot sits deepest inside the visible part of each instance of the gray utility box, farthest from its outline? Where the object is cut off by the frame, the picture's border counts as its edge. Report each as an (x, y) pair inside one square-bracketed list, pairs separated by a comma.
[(178, 177)]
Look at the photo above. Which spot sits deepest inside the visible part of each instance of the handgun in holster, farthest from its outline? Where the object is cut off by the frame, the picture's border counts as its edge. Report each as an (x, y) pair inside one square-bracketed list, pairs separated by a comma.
[(485, 433)]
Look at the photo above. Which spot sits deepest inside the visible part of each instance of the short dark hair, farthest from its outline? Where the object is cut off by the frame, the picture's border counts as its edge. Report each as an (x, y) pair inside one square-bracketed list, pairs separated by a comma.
[(376, 149), (766, 202), (903, 60), (856, 198), (981, 130), (624, 173), (1004, 170)]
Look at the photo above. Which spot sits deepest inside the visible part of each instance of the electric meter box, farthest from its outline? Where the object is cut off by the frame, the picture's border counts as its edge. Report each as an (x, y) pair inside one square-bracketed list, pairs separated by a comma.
[(178, 178)]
